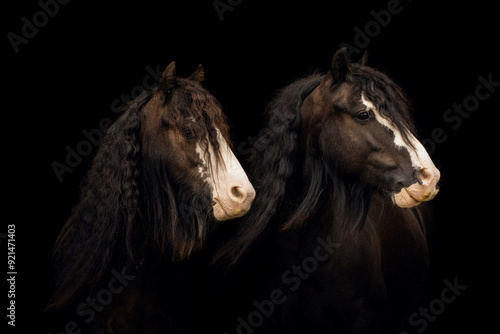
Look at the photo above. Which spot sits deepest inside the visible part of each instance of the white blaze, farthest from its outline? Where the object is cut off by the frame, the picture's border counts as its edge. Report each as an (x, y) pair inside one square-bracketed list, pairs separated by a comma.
[(232, 191), (420, 160)]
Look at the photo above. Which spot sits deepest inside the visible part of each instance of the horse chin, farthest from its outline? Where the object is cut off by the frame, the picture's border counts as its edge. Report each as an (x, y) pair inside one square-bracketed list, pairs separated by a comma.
[(403, 199), (411, 196), (221, 214)]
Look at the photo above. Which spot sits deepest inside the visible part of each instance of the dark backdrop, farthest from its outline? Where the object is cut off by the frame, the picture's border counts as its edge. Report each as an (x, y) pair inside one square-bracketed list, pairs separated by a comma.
[(66, 76)]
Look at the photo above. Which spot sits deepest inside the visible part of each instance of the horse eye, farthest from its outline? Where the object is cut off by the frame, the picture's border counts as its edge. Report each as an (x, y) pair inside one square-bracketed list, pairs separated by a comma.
[(362, 115), (188, 133)]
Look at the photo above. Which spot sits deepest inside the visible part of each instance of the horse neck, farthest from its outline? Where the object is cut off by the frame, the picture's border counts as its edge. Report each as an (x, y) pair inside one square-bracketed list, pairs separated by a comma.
[(342, 202)]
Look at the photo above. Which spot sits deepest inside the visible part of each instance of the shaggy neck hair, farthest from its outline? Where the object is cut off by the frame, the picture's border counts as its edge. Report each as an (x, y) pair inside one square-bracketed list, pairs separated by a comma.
[(129, 209), (290, 183)]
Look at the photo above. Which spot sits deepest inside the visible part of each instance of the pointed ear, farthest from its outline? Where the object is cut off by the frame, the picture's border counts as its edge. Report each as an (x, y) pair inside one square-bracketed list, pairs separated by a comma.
[(363, 59), (340, 65), (169, 71), (198, 75), (168, 77)]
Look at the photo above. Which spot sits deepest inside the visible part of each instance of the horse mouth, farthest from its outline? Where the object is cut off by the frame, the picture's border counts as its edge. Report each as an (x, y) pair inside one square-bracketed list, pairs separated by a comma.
[(221, 213), (412, 196)]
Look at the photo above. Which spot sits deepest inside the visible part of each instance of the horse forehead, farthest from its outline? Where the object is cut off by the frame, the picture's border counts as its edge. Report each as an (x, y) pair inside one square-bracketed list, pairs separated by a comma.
[(345, 95), (154, 109), (399, 140), (318, 104), (369, 104)]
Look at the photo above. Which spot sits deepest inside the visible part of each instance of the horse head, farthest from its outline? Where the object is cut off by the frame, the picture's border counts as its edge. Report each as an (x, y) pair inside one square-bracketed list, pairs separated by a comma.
[(360, 120), (188, 165), (183, 126), (334, 140), (162, 177)]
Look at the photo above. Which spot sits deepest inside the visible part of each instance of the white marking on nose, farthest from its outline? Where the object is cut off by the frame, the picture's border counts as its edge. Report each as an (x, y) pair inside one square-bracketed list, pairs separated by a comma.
[(420, 160), (416, 155), (232, 191)]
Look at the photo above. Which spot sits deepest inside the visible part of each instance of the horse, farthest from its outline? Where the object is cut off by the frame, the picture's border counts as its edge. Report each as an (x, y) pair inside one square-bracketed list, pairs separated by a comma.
[(337, 239), (129, 257)]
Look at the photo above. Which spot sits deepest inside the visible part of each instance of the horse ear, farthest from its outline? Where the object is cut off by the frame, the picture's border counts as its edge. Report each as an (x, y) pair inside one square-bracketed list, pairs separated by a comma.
[(363, 59), (168, 77), (198, 75), (340, 65), (169, 71)]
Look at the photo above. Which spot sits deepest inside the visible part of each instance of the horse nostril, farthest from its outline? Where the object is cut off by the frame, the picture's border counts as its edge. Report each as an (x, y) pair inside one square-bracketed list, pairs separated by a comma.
[(238, 192), (425, 175)]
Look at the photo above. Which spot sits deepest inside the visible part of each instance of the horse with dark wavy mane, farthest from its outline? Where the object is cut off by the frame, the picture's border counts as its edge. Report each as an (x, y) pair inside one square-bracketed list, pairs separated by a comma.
[(129, 257), (337, 239)]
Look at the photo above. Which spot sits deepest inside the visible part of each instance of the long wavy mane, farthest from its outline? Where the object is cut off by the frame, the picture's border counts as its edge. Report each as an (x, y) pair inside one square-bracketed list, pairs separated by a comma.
[(273, 168), (275, 172), (183, 227), (99, 230), (129, 210)]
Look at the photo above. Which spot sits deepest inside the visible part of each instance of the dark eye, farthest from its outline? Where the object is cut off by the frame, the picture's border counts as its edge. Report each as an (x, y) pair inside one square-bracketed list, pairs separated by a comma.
[(188, 133), (363, 115)]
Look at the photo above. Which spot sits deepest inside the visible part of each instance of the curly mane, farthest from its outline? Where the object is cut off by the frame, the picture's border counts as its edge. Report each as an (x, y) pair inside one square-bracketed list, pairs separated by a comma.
[(100, 228), (129, 210), (276, 171), (274, 168)]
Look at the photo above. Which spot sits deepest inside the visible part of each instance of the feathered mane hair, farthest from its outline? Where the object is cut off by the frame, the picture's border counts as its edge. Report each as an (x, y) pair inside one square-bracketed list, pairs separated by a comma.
[(100, 228), (273, 169), (288, 196), (129, 210)]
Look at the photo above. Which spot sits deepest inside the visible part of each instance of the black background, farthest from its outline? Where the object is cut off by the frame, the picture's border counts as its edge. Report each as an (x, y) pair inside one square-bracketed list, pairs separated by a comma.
[(66, 77)]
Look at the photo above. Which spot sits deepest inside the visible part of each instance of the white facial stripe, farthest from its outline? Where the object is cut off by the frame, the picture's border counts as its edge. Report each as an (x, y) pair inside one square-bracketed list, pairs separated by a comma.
[(398, 138), (427, 188), (228, 170), (223, 177), (228, 164)]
